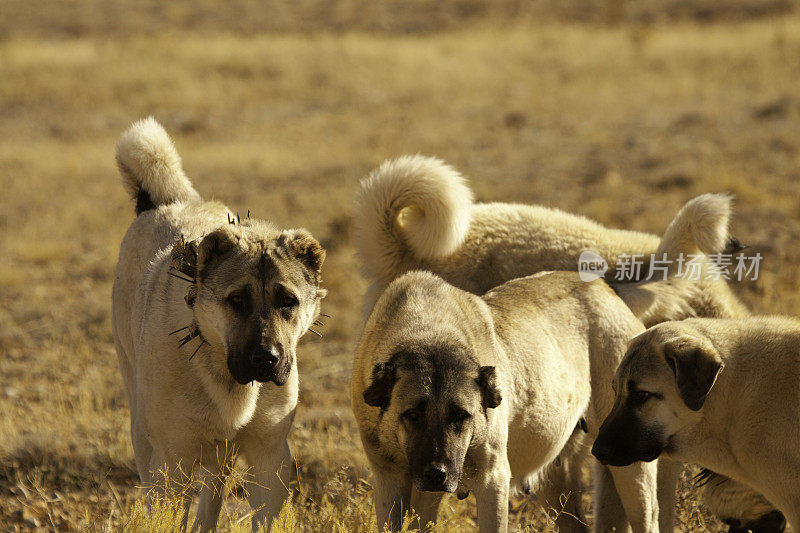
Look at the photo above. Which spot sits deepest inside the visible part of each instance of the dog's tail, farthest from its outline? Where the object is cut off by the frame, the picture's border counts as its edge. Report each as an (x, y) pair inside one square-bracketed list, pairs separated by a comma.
[(412, 207), (701, 226), (699, 229), (151, 167)]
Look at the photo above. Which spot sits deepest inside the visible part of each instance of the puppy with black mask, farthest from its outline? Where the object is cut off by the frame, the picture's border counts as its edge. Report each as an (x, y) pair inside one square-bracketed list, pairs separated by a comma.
[(721, 393)]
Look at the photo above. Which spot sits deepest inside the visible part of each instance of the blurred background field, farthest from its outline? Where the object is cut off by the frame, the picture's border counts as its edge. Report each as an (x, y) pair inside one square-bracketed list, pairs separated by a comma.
[(619, 111)]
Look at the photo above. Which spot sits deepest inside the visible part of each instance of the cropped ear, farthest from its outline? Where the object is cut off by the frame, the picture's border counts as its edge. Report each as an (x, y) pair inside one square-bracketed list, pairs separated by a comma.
[(212, 246), (487, 382), (183, 257), (696, 366), (379, 393), (304, 247)]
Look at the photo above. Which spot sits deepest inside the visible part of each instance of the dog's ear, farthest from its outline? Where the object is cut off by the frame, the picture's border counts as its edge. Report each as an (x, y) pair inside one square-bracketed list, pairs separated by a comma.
[(183, 258), (379, 393), (487, 382), (304, 247), (214, 245), (696, 366)]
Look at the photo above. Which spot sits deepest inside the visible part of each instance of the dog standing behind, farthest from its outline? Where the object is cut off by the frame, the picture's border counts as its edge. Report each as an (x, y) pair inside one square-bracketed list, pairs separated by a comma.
[(416, 212), (207, 312), (723, 393), (453, 391)]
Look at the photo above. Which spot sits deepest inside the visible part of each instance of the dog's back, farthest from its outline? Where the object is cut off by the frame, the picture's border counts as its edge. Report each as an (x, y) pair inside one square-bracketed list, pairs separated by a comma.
[(585, 322), (418, 213)]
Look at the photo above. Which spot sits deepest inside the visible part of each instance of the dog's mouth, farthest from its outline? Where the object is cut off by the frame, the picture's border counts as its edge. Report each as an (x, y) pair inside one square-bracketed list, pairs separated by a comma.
[(624, 455), (245, 372), (424, 485)]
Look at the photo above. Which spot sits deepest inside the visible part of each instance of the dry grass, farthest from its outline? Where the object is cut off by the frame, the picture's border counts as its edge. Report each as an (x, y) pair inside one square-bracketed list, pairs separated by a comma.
[(621, 122)]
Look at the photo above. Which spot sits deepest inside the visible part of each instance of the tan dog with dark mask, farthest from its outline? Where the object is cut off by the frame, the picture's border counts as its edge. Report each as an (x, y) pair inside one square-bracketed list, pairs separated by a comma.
[(721, 393), (453, 391), (207, 312)]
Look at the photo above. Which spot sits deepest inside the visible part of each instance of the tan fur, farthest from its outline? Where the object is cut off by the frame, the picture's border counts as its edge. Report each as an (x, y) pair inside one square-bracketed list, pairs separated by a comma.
[(187, 411), (554, 342), (734, 502), (747, 425), (416, 213)]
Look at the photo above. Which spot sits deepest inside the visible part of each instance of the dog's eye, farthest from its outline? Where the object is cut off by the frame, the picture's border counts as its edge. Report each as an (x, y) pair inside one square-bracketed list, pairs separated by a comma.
[(237, 300), (640, 396), (412, 416), (285, 299), (461, 416)]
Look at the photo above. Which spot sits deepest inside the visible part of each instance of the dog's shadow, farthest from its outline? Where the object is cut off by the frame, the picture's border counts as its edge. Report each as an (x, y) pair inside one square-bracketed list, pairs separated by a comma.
[(31, 470)]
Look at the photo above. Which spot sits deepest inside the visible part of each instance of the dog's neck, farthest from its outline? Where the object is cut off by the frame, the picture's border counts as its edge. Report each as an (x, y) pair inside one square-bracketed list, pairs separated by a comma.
[(236, 403)]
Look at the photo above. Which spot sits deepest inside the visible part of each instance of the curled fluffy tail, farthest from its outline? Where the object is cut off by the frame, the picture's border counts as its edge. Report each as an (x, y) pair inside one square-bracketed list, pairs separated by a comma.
[(412, 207), (151, 167), (700, 226)]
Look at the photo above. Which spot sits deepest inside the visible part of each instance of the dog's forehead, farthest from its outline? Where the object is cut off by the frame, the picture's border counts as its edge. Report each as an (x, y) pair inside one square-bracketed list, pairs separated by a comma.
[(262, 260), (437, 371), (642, 359)]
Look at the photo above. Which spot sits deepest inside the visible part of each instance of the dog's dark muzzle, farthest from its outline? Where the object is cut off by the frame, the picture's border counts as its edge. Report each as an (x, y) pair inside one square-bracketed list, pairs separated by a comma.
[(772, 522), (623, 440), (436, 477), (265, 363)]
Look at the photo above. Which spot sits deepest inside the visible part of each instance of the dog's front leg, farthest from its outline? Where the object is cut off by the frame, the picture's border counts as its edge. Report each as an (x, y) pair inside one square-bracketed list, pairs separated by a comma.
[(493, 505), (426, 505), (392, 492), (636, 486), (668, 472), (212, 481), (167, 479), (271, 467), (491, 493)]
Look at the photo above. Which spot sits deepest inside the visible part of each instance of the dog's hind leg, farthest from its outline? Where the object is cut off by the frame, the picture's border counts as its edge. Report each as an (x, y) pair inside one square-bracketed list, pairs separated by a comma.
[(142, 449), (426, 505), (561, 490)]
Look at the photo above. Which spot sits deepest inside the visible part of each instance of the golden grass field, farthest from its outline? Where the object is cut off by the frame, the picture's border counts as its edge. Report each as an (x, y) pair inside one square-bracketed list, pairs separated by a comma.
[(620, 113)]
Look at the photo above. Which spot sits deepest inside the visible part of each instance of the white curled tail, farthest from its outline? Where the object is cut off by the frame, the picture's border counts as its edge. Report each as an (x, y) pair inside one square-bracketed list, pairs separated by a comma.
[(151, 167), (412, 207)]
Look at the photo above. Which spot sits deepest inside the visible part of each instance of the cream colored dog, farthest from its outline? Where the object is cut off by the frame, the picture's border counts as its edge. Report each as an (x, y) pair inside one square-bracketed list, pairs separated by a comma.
[(207, 312), (724, 394), (453, 391), (416, 212)]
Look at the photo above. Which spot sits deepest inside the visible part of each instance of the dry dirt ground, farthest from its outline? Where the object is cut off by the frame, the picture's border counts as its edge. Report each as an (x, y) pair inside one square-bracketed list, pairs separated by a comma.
[(618, 112)]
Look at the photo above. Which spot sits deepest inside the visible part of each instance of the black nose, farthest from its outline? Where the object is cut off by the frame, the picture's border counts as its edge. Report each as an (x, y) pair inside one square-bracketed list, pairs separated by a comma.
[(435, 475), (602, 452), (265, 355)]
